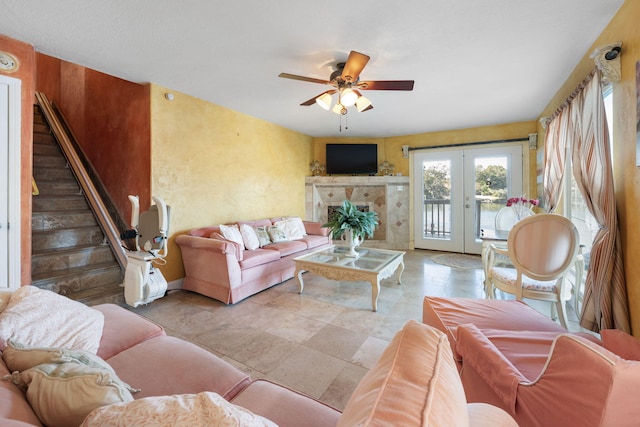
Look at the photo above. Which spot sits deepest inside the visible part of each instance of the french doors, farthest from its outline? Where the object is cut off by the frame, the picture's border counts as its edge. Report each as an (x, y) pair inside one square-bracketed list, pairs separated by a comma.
[(458, 192)]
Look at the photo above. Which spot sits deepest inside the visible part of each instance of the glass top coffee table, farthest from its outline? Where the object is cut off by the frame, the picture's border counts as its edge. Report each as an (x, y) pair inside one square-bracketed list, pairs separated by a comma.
[(371, 265)]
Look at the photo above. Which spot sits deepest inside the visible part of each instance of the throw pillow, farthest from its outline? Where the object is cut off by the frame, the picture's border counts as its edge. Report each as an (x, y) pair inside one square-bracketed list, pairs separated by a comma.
[(263, 236), (621, 343), (293, 227), (19, 358), (184, 410), (232, 232), (40, 318), (64, 394), (277, 235), (249, 237)]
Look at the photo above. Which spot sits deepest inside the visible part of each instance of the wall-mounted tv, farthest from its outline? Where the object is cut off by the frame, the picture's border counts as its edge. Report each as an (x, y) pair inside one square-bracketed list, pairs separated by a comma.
[(352, 159)]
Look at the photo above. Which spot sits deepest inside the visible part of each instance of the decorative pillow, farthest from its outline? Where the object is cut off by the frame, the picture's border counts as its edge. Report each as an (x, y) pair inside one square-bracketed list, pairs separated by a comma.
[(249, 237), (263, 236), (232, 232), (19, 358), (40, 318), (293, 227), (184, 410), (621, 343), (64, 394), (277, 235)]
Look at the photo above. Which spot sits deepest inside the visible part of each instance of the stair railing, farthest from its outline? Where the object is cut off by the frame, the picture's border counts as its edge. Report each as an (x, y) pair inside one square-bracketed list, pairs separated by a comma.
[(98, 207)]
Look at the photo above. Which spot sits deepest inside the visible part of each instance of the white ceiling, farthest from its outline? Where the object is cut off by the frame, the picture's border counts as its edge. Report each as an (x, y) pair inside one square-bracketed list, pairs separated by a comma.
[(474, 63)]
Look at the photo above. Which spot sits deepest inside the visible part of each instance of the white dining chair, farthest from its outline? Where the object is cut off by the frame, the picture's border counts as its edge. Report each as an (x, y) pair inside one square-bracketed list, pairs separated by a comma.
[(542, 248)]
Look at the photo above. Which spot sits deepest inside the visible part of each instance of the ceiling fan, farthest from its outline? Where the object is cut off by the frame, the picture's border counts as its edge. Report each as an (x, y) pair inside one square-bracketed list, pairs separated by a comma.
[(346, 82)]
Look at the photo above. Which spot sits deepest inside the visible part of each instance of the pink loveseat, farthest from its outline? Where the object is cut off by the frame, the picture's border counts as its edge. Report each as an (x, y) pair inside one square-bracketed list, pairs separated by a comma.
[(515, 358), (414, 383), (225, 270)]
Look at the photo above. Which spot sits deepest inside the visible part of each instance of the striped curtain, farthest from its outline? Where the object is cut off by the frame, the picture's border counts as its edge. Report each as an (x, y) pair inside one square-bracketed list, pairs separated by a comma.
[(555, 149), (605, 303)]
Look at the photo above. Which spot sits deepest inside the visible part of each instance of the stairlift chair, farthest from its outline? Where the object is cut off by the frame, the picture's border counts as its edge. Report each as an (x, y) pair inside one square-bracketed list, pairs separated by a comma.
[(143, 283)]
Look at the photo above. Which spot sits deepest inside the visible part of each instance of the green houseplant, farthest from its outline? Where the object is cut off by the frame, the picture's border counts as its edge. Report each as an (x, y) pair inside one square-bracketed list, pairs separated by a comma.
[(355, 225)]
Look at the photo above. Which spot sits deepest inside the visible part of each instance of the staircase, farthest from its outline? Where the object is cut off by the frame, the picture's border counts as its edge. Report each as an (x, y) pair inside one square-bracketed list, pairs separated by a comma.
[(70, 255)]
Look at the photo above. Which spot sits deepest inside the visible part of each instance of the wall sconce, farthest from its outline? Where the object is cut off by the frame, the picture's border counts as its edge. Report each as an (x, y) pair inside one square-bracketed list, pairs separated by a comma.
[(405, 151)]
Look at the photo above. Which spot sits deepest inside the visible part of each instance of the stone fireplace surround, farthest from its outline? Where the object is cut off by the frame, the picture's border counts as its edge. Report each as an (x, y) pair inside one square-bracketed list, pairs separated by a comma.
[(386, 195)]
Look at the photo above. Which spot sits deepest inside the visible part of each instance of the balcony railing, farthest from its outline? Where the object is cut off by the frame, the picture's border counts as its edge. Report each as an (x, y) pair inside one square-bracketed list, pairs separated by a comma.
[(437, 217)]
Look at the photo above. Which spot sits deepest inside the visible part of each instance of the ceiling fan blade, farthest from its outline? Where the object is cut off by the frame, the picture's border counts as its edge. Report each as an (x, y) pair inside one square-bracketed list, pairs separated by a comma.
[(313, 100), (303, 78), (354, 65), (370, 107), (386, 85)]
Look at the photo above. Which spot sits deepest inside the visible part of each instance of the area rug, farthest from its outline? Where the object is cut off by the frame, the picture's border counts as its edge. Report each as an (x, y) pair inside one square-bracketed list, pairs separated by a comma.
[(458, 260)]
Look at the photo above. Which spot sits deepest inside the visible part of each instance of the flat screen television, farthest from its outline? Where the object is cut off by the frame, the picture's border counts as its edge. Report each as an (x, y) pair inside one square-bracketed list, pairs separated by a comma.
[(352, 159)]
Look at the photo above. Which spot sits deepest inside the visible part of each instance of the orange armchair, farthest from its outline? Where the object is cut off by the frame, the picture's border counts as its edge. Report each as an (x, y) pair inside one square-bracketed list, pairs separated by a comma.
[(543, 381)]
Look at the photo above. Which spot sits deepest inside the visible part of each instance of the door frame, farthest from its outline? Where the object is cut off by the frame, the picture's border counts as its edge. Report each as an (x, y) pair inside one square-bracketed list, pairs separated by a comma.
[(11, 116), (417, 184)]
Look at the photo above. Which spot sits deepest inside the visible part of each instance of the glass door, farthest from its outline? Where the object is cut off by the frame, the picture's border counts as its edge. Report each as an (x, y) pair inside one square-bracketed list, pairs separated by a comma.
[(459, 192)]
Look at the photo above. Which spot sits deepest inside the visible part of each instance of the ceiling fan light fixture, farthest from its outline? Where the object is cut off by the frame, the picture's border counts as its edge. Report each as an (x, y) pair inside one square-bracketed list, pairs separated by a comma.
[(348, 97), (362, 103), (339, 109), (324, 101)]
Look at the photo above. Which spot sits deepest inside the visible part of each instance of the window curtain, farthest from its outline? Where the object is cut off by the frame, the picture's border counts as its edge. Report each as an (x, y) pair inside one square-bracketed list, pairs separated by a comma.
[(582, 123)]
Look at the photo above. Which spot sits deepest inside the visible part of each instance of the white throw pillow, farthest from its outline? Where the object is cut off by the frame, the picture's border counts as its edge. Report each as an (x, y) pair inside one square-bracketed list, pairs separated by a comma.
[(184, 410), (249, 237), (293, 227), (64, 394), (232, 232), (38, 318), (263, 236)]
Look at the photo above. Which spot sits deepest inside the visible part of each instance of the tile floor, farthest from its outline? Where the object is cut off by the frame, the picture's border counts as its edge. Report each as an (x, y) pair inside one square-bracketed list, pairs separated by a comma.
[(320, 342)]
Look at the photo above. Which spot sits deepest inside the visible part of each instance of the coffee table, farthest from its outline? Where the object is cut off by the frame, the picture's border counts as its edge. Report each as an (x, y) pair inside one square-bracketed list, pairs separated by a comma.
[(371, 265)]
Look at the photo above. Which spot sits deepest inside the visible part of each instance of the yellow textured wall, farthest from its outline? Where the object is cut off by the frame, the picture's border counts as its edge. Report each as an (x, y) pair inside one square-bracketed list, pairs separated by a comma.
[(622, 28), (390, 149), (213, 165)]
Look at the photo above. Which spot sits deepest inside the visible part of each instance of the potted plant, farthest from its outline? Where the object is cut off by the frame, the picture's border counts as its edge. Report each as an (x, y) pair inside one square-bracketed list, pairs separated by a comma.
[(354, 224)]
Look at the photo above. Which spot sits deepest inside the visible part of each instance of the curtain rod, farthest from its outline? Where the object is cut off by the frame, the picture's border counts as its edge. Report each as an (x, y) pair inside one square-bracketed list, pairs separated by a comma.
[(546, 120), (465, 144)]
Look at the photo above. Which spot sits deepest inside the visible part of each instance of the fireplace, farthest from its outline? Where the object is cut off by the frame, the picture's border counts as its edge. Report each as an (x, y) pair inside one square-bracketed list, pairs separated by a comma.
[(387, 196)]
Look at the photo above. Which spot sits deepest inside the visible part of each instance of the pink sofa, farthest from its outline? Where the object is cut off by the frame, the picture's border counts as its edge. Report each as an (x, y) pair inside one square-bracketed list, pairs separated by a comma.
[(224, 270), (515, 358), (415, 383)]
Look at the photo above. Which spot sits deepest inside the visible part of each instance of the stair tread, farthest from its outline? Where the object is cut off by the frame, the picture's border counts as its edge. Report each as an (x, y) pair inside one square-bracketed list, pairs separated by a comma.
[(74, 271), (67, 250)]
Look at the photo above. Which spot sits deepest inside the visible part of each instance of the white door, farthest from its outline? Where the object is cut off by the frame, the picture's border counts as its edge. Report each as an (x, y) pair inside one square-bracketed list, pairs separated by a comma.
[(10, 104), (458, 192)]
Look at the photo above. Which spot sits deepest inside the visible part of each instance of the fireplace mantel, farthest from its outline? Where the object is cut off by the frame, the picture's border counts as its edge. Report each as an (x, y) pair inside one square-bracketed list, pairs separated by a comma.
[(386, 195)]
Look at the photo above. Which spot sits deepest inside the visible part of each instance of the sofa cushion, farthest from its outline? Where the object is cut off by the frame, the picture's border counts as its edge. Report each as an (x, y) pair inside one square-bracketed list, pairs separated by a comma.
[(263, 236), (65, 323), (446, 314), (314, 241), (415, 382), (168, 365), (249, 237), (285, 407), (258, 257), (185, 410), (621, 343), (19, 358), (292, 227), (288, 247), (277, 235), (64, 394), (232, 232), (124, 329)]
